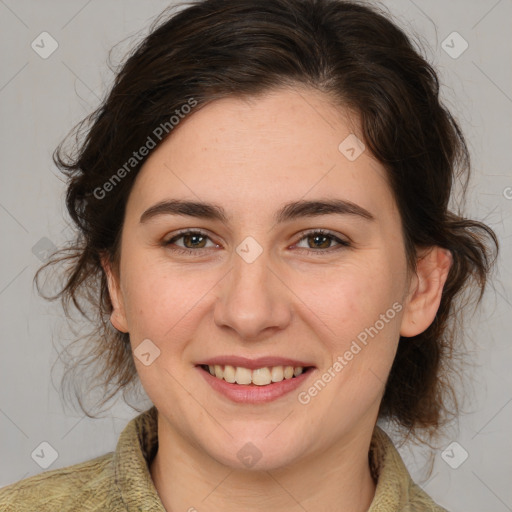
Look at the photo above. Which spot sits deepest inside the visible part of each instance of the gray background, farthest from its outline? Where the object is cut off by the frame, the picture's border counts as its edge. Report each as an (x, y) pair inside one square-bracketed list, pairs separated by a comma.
[(42, 99)]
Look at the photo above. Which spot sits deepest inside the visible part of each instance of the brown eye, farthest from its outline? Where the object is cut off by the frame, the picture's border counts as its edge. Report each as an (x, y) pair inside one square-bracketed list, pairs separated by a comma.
[(320, 239), (192, 241), (195, 240)]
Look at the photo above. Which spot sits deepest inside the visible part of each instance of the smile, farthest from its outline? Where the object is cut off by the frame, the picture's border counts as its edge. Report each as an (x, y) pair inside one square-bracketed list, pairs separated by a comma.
[(258, 377), (254, 386)]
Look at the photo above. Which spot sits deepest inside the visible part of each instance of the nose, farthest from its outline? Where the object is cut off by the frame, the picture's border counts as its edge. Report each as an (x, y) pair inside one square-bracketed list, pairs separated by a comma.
[(253, 299)]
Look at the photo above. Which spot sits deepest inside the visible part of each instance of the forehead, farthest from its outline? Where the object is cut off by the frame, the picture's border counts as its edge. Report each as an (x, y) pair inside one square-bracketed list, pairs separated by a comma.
[(251, 153)]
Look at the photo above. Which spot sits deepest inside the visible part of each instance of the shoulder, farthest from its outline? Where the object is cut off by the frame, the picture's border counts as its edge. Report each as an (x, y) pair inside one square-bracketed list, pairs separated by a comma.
[(420, 501), (395, 489), (85, 485)]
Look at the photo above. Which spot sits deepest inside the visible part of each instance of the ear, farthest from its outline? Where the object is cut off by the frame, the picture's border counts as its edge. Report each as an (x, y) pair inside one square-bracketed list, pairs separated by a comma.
[(425, 290), (117, 317)]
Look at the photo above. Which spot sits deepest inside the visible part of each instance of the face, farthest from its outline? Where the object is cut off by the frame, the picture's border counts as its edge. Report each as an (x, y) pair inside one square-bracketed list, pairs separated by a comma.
[(262, 282)]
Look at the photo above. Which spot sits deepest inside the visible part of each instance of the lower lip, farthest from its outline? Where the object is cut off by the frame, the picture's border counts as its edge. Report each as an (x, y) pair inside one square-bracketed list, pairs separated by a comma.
[(253, 394)]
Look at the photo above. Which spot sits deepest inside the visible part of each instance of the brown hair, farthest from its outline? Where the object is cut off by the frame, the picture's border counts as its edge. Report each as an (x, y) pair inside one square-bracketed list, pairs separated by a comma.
[(353, 53)]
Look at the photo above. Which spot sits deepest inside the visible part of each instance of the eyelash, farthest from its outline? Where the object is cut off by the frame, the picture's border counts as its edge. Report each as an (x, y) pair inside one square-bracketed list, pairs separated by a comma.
[(320, 252)]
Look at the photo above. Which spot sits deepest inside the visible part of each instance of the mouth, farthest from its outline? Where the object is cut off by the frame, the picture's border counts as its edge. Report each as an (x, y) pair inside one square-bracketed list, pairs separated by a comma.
[(259, 385), (264, 376)]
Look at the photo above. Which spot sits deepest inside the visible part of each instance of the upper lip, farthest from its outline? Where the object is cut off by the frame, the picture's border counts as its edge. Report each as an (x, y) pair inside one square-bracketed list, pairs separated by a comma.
[(252, 364)]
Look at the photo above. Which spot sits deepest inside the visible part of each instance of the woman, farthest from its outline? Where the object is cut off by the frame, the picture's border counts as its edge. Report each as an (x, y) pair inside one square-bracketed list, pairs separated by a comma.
[(264, 232)]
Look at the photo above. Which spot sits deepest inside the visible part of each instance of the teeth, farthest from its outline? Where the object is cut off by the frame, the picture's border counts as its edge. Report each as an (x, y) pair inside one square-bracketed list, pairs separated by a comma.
[(261, 377), (277, 374), (297, 371), (258, 377), (242, 375), (288, 372), (229, 373)]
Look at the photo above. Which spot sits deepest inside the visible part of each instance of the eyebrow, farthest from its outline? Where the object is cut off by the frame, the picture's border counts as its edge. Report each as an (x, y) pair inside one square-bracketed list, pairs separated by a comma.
[(290, 211)]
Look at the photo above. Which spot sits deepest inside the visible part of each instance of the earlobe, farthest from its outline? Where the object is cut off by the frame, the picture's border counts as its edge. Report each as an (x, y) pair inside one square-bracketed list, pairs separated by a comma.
[(426, 290), (117, 317)]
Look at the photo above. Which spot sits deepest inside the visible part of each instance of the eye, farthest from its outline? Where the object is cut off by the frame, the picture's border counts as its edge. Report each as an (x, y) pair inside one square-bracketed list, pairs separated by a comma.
[(322, 239), (192, 240)]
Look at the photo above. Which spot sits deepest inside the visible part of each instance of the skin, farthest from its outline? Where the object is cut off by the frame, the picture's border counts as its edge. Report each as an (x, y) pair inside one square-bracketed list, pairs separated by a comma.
[(252, 156)]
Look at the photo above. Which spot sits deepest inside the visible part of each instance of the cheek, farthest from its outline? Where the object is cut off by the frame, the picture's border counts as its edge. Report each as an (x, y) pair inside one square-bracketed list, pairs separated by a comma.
[(154, 300), (165, 303), (352, 296)]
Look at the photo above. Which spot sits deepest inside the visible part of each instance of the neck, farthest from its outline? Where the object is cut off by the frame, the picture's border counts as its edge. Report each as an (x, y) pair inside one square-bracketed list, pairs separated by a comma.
[(188, 479)]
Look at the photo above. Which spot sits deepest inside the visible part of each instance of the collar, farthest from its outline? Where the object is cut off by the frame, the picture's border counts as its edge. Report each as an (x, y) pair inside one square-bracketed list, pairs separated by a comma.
[(138, 444)]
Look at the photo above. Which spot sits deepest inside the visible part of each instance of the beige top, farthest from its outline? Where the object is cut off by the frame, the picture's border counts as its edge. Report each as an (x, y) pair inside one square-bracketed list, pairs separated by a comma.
[(120, 481)]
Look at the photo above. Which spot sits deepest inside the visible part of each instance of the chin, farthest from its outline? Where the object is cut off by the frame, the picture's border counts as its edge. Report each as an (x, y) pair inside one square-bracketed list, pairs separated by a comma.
[(258, 453)]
